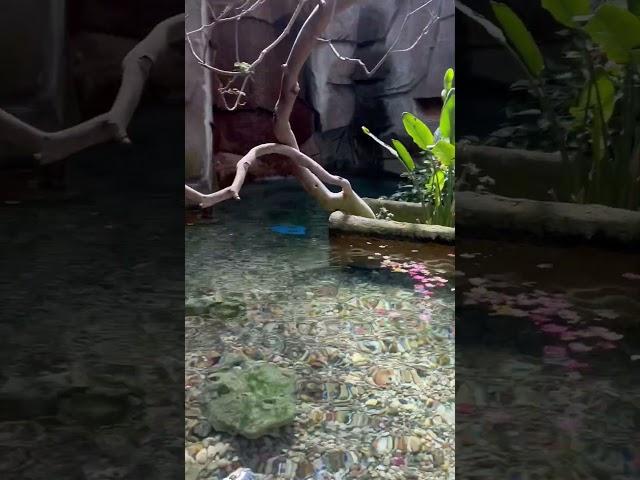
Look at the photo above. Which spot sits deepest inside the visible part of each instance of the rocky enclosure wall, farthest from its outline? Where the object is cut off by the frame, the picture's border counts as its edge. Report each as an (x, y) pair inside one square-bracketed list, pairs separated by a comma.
[(337, 98)]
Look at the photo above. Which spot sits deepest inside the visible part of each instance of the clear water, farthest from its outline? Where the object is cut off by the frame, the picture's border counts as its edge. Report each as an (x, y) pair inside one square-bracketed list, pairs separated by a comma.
[(374, 358), (547, 362)]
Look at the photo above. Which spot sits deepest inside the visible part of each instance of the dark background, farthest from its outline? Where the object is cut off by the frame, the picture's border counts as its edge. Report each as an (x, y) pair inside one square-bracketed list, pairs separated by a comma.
[(513, 407), (91, 254)]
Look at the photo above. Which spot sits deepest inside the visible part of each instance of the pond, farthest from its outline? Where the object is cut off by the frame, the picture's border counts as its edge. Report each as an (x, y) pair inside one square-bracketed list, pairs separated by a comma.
[(367, 328), (547, 361)]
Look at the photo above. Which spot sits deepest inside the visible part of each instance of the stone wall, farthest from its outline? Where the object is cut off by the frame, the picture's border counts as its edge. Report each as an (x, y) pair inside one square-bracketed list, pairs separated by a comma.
[(337, 98)]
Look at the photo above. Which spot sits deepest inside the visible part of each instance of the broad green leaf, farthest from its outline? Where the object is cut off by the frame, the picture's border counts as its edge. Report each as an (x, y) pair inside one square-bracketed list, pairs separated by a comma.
[(445, 152), (403, 155), (616, 30), (489, 26), (416, 128), (380, 142), (607, 91), (634, 7), (448, 80), (448, 117), (564, 11), (521, 39)]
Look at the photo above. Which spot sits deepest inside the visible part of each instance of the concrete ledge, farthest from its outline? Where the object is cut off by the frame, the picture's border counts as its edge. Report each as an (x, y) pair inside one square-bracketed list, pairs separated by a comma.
[(491, 215), (341, 223)]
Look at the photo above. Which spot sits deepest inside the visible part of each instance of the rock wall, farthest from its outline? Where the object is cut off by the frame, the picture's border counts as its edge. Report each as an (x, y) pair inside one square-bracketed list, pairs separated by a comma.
[(336, 97)]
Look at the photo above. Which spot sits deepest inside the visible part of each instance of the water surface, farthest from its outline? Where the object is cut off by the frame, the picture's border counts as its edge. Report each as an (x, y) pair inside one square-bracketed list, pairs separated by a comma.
[(371, 346)]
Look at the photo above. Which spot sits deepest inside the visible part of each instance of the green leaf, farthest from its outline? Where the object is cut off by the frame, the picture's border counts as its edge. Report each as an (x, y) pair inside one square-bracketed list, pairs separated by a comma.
[(403, 155), (634, 7), (521, 39), (445, 152), (243, 67), (490, 27), (448, 118), (607, 91), (380, 142), (616, 30), (448, 80), (416, 128), (564, 11), (435, 185)]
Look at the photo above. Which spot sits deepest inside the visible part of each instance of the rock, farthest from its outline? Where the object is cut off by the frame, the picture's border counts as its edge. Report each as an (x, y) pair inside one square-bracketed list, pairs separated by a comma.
[(359, 359), (201, 457), (382, 377), (249, 398), (201, 429), (192, 471), (241, 474), (217, 450), (211, 305)]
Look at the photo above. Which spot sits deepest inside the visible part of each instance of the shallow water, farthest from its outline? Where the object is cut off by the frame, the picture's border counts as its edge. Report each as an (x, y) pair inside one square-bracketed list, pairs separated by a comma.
[(547, 362), (373, 351)]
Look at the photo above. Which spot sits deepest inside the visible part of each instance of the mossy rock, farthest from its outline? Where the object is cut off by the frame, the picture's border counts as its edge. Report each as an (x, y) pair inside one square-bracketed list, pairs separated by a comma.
[(212, 305), (249, 398)]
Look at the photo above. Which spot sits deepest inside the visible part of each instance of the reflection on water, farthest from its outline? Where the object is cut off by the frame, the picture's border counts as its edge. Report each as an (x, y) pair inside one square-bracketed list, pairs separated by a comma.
[(547, 362), (373, 355)]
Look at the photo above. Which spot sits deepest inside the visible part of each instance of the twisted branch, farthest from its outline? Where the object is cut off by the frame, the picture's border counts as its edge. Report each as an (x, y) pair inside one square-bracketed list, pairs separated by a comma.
[(49, 147), (346, 199)]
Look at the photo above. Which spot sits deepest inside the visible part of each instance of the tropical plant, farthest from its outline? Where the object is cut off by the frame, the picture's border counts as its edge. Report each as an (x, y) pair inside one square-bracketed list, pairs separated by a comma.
[(592, 105), (431, 178)]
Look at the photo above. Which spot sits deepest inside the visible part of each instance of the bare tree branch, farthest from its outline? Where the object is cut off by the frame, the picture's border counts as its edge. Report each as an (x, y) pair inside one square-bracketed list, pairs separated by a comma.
[(392, 49), (310, 174), (248, 69), (344, 200), (48, 147)]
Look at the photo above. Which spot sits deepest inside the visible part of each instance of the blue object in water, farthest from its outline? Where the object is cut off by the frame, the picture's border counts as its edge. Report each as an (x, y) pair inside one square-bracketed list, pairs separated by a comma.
[(289, 230)]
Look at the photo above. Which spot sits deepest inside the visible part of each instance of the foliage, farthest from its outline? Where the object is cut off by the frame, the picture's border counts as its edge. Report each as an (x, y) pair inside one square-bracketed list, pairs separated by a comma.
[(588, 105), (430, 178)]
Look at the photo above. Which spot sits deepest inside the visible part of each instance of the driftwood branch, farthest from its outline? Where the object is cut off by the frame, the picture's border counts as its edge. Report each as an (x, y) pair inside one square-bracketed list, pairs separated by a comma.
[(49, 147), (310, 174), (346, 199), (304, 43)]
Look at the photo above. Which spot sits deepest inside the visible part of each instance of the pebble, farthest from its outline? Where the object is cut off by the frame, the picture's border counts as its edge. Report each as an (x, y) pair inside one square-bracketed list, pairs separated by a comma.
[(201, 457), (368, 396), (438, 458), (202, 429)]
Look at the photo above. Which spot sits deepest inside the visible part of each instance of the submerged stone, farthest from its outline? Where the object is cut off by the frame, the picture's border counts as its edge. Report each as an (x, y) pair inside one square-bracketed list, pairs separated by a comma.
[(249, 398), (212, 305)]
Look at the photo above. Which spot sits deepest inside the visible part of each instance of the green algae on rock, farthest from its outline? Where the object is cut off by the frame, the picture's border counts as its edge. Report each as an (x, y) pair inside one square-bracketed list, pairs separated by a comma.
[(215, 306), (249, 398)]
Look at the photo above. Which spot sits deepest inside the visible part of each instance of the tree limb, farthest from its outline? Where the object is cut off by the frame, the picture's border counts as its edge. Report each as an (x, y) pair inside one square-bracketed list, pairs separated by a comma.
[(49, 147), (346, 200)]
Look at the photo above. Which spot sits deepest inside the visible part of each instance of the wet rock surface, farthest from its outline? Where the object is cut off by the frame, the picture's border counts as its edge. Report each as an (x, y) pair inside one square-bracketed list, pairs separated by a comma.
[(249, 398)]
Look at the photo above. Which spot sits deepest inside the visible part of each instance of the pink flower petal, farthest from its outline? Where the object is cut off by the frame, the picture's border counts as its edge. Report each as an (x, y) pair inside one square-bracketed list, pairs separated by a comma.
[(554, 328), (631, 276), (579, 347)]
